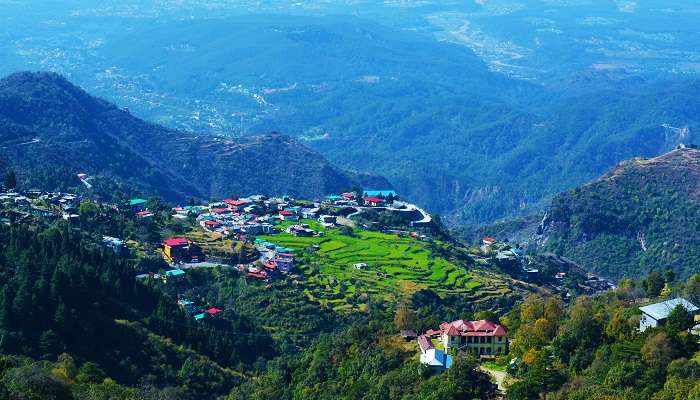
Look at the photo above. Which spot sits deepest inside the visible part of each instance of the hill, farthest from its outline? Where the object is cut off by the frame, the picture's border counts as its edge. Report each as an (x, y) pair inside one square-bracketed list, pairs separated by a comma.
[(641, 216), (50, 130)]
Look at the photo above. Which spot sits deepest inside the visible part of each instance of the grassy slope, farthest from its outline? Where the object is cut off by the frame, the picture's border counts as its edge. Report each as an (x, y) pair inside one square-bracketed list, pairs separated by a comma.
[(395, 265)]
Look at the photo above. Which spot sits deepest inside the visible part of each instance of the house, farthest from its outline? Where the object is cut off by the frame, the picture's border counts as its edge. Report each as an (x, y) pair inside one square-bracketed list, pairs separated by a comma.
[(309, 213), (379, 193), (181, 250), (488, 240), (483, 338), (209, 224), (173, 275), (300, 230), (373, 201), (436, 360), (287, 215), (359, 266), (408, 335), (144, 214), (116, 245), (235, 204), (285, 262), (333, 198), (328, 219), (656, 314), (199, 317), (424, 343), (189, 307), (213, 311), (137, 205)]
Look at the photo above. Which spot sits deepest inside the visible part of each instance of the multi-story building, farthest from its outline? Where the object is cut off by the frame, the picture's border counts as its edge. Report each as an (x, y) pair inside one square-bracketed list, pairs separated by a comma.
[(483, 338)]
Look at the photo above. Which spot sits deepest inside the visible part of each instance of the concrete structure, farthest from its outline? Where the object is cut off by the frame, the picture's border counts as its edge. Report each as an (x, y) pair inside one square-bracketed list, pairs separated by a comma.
[(655, 315)]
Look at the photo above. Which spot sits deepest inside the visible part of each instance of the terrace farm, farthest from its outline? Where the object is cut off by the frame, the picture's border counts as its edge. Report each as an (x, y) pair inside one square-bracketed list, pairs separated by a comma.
[(342, 267)]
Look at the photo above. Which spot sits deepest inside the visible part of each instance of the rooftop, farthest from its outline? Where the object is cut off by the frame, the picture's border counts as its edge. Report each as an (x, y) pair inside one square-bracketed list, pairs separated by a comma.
[(662, 310)]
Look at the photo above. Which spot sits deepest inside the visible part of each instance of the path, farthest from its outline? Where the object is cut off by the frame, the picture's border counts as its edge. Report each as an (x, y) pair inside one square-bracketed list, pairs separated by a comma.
[(498, 376)]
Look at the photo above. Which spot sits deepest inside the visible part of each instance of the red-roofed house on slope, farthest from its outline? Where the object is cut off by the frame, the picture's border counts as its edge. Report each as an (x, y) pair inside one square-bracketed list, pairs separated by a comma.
[(483, 338), (374, 201)]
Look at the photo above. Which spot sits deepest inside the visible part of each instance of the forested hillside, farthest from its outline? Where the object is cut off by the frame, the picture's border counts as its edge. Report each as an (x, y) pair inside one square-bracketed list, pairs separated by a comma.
[(51, 130), (592, 349), (641, 216)]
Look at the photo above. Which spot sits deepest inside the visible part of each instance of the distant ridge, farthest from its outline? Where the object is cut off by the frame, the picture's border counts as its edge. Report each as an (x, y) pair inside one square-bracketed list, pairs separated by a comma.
[(51, 130)]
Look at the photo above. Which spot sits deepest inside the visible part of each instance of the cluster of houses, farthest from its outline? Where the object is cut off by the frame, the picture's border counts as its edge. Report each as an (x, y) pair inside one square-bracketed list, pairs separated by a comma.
[(197, 312), (482, 338), (18, 205), (275, 261), (369, 198)]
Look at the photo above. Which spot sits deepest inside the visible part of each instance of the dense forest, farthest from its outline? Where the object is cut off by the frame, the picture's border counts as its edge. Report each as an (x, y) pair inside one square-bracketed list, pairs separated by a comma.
[(592, 350)]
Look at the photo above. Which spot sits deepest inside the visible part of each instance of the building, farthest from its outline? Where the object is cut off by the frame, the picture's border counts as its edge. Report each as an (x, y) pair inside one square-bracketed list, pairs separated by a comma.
[(181, 250), (488, 240), (483, 338), (328, 219), (288, 215), (379, 193), (656, 314), (173, 275), (373, 201), (137, 205), (118, 246), (436, 360)]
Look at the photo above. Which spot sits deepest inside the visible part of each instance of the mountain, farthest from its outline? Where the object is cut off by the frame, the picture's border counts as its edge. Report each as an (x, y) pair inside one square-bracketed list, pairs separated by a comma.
[(641, 216), (50, 130)]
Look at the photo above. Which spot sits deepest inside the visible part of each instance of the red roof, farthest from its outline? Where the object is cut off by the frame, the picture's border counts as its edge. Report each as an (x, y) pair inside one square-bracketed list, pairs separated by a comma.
[(489, 239), (220, 210), (270, 265), (425, 343), (211, 223), (287, 213), (258, 275), (214, 311), (236, 203), (176, 242), (472, 328), (374, 200)]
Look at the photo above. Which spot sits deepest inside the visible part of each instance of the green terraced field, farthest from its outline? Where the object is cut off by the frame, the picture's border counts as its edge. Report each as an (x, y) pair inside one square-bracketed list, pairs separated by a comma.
[(395, 265)]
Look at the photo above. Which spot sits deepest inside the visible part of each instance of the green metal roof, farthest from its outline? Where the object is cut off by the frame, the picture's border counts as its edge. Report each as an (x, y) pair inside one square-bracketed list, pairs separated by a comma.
[(136, 202)]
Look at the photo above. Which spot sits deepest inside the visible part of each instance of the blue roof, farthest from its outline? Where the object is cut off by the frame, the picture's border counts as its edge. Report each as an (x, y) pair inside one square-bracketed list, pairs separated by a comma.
[(662, 310), (199, 316), (377, 193), (333, 197), (436, 358), (136, 202), (175, 272)]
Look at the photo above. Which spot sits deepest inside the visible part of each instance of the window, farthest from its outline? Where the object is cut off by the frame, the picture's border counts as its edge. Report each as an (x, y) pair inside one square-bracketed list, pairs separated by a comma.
[(489, 339), (498, 350), (462, 340), (483, 340)]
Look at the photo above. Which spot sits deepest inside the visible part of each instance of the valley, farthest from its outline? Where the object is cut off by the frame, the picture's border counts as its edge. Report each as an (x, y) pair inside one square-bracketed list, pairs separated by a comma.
[(501, 77), (354, 200)]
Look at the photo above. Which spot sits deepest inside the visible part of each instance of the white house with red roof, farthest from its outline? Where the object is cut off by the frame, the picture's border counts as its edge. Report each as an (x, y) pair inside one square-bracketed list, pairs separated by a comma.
[(483, 338)]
